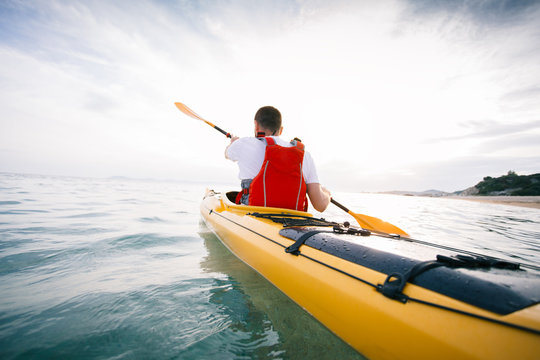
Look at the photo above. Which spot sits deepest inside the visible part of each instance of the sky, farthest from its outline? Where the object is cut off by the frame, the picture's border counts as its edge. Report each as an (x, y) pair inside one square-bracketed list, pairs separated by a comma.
[(386, 95)]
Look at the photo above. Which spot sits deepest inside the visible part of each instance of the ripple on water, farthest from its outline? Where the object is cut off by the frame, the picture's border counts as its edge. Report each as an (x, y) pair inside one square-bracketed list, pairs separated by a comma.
[(10, 202), (72, 230), (23, 261), (153, 219), (21, 212), (88, 215), (163, 320), (142, 240)]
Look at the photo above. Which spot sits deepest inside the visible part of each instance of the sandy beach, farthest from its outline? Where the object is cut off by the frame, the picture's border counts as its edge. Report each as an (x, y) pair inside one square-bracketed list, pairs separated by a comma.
[(526, 201)]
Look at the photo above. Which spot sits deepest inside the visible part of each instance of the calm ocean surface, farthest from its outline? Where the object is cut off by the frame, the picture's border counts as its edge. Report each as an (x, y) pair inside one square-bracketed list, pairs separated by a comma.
[(121, 269)]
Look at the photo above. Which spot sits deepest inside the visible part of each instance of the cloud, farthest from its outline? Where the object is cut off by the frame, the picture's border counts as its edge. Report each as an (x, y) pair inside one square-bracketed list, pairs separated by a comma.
[(489, 12), (90, 86), (489, 129), (511, 143)]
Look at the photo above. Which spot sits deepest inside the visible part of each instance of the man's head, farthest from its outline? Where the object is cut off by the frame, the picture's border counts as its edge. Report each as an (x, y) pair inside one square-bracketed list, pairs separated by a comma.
[(268, 120)]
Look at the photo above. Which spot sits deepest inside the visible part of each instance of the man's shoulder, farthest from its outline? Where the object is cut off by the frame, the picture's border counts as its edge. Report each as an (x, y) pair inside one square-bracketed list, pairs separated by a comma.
[(244, 140), (247, 142)]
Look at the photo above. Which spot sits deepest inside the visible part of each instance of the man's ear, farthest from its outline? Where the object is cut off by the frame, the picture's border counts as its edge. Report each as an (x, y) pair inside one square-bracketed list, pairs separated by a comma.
[(280, 130)]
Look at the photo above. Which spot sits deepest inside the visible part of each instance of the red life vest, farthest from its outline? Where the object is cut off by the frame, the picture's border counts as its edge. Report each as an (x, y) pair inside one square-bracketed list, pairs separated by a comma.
[(280, 182)]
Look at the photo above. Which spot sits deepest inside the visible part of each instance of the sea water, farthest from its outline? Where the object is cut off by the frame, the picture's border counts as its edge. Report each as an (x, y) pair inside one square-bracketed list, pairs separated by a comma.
[(124, 269)]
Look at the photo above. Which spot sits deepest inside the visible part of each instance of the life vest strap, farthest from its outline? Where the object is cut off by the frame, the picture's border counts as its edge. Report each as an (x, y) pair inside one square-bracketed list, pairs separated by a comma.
[(270, 141)]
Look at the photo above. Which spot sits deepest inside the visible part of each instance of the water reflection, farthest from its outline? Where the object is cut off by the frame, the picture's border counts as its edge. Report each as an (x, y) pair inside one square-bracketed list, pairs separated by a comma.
[(263, 313)]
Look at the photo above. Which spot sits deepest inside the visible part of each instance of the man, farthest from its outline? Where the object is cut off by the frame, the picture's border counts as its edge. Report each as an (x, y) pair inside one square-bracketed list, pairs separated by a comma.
[(274, 172)]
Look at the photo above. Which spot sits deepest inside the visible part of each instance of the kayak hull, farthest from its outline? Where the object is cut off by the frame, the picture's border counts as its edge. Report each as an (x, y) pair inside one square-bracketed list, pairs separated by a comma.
[(336, 292)]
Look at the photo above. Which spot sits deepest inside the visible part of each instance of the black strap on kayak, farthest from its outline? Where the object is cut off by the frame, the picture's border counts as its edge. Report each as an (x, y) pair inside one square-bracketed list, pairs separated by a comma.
[(395, 282), (295, 248), (464, 261)]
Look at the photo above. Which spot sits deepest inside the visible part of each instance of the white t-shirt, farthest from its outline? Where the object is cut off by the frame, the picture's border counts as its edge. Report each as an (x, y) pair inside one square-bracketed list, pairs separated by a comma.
[(249, 153)]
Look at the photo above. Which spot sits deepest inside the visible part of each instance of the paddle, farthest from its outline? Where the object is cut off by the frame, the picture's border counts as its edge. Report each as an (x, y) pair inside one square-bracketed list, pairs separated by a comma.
[(183, 108), (372, 223), (365, 221)]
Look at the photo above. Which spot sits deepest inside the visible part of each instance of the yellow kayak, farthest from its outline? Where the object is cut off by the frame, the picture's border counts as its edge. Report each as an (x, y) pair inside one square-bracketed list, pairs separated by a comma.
[(388, 297)]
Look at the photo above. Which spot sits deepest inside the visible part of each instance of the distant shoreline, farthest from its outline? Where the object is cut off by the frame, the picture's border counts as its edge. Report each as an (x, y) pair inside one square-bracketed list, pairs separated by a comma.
[(524, 201)]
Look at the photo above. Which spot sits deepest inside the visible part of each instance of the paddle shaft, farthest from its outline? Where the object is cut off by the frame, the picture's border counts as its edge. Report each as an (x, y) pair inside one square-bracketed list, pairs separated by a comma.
[(339, 205), (227, 134)]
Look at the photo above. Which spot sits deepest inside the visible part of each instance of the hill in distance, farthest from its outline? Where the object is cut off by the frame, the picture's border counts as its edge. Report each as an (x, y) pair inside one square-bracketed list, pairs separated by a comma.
[(510, 184)]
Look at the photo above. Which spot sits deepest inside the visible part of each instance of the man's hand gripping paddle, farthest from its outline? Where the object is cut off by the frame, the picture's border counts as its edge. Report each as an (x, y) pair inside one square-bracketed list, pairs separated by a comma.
[(366, 222)]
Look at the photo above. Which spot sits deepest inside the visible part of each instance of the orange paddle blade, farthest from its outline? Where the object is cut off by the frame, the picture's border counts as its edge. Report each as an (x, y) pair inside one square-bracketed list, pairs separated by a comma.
[(183, 108), (375, 224), (372, 223)]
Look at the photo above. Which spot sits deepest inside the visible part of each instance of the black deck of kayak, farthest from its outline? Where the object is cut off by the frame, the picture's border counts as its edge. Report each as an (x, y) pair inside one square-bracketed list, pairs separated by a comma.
[(498, 290)]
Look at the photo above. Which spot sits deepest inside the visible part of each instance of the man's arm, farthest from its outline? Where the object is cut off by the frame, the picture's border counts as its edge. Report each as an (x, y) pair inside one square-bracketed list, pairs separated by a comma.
[(233, 139), (319, 196)]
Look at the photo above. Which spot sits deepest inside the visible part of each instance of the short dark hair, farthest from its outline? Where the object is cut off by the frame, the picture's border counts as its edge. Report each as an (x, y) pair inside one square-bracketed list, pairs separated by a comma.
[(269, 118)]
